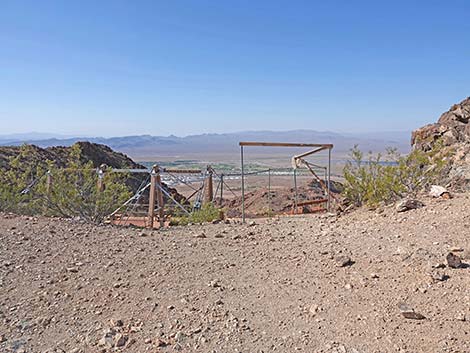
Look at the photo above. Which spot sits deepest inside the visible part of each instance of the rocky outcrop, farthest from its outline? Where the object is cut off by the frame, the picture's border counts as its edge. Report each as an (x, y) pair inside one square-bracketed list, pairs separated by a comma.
[(98, 154), (60, 156), (452, 127), (452, 130)]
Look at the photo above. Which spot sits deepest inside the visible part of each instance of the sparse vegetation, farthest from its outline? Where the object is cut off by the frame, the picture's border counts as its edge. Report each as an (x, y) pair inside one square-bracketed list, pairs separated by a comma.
[(207, 213), (73, 192), (384, 179)]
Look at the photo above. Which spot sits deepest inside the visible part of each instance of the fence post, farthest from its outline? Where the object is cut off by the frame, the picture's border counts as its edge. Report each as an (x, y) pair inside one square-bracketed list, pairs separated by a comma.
[(221, 188), (153, 182), (161, 204), (243, 183), (296, 194), (101, 171), (210, 188), (48, 182), (329, 180), (269, 192)]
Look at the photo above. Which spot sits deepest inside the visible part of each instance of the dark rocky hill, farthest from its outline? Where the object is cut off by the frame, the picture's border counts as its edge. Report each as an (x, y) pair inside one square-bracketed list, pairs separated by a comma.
[(96, 153)]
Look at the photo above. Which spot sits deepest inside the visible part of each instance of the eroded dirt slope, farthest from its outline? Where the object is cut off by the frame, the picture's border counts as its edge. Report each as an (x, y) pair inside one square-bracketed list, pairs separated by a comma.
[(71, 287)]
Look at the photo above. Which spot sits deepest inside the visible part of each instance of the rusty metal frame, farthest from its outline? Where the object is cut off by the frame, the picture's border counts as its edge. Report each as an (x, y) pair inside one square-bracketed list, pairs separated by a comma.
[(318, 147)]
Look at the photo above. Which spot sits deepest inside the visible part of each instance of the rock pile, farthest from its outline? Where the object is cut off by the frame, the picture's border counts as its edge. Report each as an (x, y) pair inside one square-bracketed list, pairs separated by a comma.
[(453, 130)]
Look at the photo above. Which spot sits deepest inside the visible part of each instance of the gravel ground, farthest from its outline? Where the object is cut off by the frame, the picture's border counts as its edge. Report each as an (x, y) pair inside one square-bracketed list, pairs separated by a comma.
[(295, 284)]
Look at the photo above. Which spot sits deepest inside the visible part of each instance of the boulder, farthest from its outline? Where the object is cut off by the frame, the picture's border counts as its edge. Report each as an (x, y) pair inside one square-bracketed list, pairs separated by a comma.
[(408, 204), (439, 191), (453, 130)]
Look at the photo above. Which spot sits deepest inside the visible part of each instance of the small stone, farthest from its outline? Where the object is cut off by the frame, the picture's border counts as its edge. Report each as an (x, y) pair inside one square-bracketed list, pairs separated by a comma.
[(455, 249), (439, 265), (199, 235), (160, 343), (72, 269), (143, 234), (148, 340), (117, 322), (409, 312), (460, 317), (130, 342), (2, 339), (179, 336), (218, 235), (453, 260), (439, 276), (408, 204), (343, 261), (438, 191), (120, 340), (106, 341), (313, 309), (214, 284), (252, 223)]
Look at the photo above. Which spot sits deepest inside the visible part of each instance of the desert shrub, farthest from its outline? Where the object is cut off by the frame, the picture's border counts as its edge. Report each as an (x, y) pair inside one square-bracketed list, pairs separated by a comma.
[(383, 179), (207, 213), (73, 191), (16, 183)]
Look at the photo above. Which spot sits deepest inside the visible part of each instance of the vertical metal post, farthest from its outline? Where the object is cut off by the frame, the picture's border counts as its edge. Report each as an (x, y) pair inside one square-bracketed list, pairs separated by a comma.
[(243, 184), (161, 202), (221, 188), (48, 182), (269, 192), (329, 179), (48, 190), (100, 184), (153, 183), (295, 189)]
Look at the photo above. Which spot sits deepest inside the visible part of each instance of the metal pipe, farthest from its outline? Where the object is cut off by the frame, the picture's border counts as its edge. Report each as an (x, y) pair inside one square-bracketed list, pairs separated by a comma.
[(269, 192), (221, 188), (295, 189), (329, 179), (243, 184)]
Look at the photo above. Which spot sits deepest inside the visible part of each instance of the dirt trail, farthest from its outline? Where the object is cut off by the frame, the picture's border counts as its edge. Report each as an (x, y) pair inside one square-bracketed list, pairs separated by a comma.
[(305, 284)]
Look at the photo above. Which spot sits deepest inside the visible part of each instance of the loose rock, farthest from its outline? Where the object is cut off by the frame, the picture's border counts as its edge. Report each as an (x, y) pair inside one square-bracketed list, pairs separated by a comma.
[(453, 260), (343, 261), (439, 191), (408, 204), (409, 312)]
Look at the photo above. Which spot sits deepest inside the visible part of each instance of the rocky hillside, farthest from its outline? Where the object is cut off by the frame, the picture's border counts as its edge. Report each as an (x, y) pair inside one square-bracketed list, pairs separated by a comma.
[(96, 153), (453, 131)]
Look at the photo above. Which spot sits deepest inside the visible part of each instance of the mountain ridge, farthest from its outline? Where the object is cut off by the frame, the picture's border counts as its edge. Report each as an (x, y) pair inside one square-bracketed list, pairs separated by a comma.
[(216, 143)]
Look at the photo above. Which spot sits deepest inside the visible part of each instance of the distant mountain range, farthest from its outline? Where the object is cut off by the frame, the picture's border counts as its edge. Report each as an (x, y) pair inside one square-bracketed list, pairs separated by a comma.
[(151, 147)]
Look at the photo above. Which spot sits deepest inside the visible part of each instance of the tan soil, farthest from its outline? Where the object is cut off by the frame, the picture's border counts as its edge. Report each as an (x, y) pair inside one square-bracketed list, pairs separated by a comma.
[(238, 288)]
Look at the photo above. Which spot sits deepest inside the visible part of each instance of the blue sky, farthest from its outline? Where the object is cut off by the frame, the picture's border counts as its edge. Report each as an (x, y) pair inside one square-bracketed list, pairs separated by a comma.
[(182, 67)]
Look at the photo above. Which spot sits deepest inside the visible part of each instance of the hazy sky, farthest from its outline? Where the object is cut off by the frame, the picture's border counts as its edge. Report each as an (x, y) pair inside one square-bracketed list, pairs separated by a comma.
[(181, 67)]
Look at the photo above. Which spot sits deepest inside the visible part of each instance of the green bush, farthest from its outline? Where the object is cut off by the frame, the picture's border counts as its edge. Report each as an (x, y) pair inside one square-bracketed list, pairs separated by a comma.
[(384, 179), (73, 190), (207, 213), (17, 183)]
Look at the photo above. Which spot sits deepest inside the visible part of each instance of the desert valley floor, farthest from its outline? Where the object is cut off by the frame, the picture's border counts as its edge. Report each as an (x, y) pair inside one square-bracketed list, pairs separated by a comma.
[(319, 283)]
